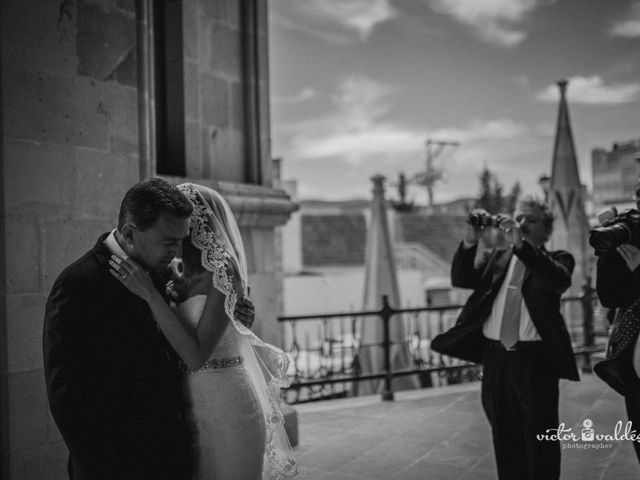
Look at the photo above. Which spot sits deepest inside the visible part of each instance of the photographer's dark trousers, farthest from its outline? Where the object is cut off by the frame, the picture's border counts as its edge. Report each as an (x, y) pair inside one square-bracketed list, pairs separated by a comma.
[(632, 394), (520, 398)]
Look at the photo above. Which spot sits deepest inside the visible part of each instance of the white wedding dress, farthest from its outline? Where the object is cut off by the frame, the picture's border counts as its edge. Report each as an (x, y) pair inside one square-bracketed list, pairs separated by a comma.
[(235, 396), (233, 430)]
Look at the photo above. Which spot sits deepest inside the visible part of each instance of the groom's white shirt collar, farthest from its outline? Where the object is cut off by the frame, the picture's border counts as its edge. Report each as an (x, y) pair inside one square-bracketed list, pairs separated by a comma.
[(113, 245)]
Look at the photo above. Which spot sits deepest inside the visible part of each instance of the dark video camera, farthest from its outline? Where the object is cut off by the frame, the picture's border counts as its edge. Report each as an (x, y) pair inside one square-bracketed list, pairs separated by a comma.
[(484, 219), (619, 228)]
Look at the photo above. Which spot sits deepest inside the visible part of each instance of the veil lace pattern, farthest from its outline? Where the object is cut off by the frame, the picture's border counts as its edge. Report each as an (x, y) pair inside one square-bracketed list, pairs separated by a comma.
[(221, 251)]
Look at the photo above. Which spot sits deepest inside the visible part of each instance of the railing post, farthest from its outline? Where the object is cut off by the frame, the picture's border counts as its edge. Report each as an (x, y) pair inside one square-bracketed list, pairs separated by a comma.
[(356, 357), (385, 313), (587, 321)]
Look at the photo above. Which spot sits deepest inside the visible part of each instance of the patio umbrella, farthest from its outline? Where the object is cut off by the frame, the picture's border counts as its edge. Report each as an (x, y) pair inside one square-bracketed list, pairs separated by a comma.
[(381, 279)]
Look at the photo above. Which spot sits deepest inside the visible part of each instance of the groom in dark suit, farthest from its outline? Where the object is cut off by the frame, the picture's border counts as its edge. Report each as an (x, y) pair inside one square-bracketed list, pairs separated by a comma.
[(114, 387), (512, 325)]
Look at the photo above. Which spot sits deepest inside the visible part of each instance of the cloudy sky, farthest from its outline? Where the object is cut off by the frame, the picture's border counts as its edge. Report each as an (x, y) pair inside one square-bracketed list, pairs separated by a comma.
[(358, 86)]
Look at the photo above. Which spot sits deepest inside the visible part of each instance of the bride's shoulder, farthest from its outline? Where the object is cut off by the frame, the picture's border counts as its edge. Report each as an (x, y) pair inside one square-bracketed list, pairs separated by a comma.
[(198, 297), (199, 284), (192, 306)]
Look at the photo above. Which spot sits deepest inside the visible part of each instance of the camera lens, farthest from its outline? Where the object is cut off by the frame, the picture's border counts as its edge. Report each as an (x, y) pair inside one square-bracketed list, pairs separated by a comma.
[(604, 239)]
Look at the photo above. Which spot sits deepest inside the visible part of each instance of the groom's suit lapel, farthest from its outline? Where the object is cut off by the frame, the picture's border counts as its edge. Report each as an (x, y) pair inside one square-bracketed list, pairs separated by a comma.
[(131, 303)]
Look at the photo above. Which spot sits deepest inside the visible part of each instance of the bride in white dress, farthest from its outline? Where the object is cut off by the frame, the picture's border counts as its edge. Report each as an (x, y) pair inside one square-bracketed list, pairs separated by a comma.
[(233, 378)]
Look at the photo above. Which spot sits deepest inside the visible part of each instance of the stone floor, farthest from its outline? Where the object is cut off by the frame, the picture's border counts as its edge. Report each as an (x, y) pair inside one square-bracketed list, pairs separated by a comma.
[(441, 434)]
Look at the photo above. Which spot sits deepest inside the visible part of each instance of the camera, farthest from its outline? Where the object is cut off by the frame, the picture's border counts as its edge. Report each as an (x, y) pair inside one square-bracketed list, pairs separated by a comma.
[(484, 219), (618, 228)]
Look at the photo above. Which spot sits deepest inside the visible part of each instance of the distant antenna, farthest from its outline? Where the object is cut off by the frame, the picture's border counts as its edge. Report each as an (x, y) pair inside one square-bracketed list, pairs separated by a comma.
[(431, 175)]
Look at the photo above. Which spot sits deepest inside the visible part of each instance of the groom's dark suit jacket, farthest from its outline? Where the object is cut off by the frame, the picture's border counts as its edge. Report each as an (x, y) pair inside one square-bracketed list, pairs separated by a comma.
[(547, 276), (114, 387)]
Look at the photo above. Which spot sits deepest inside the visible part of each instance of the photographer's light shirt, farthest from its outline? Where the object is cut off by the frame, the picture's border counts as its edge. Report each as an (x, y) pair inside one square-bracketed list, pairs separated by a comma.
[(113, 245), (491, 327)]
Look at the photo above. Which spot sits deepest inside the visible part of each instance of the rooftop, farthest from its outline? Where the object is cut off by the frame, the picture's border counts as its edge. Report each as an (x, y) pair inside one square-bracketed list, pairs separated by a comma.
[(339, 238), (439, 233)]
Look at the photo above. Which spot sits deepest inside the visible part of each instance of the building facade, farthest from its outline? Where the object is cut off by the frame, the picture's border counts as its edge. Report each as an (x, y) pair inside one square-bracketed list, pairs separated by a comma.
[(615, 174), (96, 95), (324, 256)]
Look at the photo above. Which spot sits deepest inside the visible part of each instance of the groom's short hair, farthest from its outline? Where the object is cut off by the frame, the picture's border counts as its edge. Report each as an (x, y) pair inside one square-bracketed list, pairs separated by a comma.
[(147, 200)]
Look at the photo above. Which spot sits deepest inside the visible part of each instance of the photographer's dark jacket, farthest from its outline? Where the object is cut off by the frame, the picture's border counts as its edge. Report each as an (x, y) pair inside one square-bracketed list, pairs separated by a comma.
[(114, 387), (619, 288), (548, 275)]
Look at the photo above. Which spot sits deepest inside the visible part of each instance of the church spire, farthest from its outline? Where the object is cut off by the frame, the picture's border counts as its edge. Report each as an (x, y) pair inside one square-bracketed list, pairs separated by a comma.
[(564, 174), (566, 195)]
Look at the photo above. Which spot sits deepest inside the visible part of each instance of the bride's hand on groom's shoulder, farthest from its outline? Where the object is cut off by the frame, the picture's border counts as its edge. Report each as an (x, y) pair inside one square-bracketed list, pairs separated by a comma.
[(178, 290), (182, 288), (130, 274), (245, 311)]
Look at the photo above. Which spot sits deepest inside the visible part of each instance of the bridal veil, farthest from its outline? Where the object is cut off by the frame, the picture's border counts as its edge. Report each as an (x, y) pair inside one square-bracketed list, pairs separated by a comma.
[(214, 231)]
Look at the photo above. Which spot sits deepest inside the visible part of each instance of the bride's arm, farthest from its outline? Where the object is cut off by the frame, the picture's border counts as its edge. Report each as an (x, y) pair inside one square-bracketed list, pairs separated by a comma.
[(194, 348)]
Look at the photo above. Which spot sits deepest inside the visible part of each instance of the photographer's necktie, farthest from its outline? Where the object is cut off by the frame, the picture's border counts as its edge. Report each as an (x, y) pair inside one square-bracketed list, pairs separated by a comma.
[(510, 326)]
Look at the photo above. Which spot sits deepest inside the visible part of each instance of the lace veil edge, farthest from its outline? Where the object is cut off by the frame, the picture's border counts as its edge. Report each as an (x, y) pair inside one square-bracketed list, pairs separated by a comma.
[(215, 233)]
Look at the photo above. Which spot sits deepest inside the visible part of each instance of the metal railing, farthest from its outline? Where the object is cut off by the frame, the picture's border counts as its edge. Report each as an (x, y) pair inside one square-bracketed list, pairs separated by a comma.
[(327, 350)]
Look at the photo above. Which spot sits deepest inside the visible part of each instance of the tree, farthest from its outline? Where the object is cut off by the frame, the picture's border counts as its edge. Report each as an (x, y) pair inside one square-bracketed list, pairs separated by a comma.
[(512, 198), (492, 196)]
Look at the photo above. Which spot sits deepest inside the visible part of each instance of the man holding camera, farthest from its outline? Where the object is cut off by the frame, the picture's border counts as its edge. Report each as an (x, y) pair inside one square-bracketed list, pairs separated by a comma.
[(512, 325), (618, 286)]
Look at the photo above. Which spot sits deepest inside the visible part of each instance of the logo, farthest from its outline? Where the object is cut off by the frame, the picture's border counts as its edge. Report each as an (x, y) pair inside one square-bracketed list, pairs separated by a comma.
[(588, 433), (588, 437)]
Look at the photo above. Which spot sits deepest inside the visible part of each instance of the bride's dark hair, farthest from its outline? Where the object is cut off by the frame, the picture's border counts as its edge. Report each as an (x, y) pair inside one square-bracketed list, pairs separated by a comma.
[(191, 256)]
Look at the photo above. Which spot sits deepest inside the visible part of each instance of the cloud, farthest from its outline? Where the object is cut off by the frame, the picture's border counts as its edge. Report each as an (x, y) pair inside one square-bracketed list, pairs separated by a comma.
[(334, 155), (302, 96), (522, 81), (336, 21), (329, 34), (592, 91), (628, 27), (357, 128), (334, 178), (362, 100), (358, 102), (499, 129), (359, 132), (357, 146), (494, 21)]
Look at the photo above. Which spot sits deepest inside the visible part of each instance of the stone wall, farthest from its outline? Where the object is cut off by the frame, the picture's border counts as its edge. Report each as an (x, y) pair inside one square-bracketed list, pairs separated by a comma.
[(70, 149), (213, 89)]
